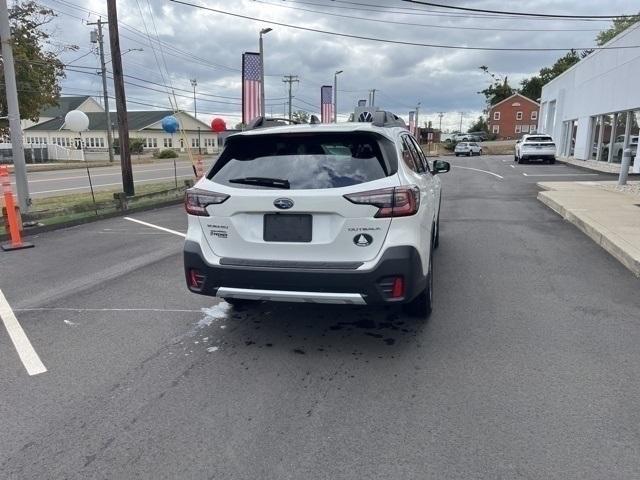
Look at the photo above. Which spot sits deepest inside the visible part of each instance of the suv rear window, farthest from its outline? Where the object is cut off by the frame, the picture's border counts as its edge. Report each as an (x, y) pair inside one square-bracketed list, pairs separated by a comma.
[(539, 139), (305, 161)]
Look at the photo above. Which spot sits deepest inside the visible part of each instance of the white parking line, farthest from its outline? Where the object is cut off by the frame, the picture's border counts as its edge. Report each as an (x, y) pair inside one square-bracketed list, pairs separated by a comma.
[(70, 309), (27, 354), (512, 166), (478, 170), (158, 227), (559, 174)]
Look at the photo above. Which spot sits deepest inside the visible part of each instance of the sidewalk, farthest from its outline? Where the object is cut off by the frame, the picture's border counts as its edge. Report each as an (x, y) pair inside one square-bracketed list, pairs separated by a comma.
[(594, 165), (609, 216)]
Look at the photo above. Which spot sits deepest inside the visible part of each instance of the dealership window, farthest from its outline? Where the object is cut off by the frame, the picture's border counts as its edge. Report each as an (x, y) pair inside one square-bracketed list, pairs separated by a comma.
[(594, 135), (195, 143), (525, 128), (534, 115), (518, 115), (167, 142), (533, 128), (151, 142), (209, 142), (496, 115), (495, 129), (518, 128)]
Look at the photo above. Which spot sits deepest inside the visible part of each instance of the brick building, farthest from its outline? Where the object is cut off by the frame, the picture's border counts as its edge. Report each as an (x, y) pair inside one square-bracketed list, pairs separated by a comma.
[(513, 117)]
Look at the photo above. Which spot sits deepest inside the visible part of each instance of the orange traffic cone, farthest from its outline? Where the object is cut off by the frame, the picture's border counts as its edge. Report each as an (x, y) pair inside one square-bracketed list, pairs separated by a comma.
[(16, 242)]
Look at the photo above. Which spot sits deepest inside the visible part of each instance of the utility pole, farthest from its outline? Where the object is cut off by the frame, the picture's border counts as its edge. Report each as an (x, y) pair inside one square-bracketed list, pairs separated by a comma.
[(121, 101), (194, 84), (13, 110), (290, 79), (461, 115), (440, 114), (372, 97), (417, 122), (103, 70)]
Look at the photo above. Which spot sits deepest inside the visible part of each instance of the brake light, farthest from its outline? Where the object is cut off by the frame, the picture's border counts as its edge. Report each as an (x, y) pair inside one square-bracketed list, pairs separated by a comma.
[(196, 279), (391, 202), (196, 201)]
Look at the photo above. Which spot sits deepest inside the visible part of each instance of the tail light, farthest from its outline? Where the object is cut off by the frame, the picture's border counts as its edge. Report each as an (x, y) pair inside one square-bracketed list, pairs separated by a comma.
[(196, 201), (391, 202)]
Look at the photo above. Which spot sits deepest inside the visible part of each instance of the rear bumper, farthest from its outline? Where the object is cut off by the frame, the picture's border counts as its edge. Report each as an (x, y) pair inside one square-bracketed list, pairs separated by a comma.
[(538, 155), (309, 285)]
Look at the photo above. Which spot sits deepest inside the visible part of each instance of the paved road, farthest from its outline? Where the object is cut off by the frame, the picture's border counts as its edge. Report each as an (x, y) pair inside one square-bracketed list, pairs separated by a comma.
[(528, 367), (61, 182)]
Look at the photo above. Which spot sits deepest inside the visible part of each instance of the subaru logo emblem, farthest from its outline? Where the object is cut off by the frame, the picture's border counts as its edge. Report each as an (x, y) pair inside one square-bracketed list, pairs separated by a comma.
[(283, 203)]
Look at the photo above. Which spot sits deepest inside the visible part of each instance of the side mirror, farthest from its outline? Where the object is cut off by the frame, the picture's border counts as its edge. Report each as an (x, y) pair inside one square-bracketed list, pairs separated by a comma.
[(440, 166)]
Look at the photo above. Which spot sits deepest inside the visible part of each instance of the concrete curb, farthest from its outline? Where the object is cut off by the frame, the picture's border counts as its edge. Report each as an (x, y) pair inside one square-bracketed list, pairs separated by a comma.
[(620, 249)]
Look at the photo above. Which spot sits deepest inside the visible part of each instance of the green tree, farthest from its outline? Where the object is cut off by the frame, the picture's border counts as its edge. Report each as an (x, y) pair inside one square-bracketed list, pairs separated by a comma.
[(532, 87), (300, 116), (38, 69), (618, 26), (498, 90), (480, 125)]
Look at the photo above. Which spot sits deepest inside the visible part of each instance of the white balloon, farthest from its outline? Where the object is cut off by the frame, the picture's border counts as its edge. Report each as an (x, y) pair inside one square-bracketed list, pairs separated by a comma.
[(76, 121)]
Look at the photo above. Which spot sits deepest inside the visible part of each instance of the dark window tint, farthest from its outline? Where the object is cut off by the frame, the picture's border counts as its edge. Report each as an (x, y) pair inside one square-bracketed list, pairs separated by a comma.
[(306, 161), (423, 158), (410, 156)]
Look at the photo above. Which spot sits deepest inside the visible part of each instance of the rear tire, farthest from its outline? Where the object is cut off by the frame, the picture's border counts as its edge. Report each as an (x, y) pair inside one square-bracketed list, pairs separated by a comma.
[(552, 161), (240, 302), (422, 306)]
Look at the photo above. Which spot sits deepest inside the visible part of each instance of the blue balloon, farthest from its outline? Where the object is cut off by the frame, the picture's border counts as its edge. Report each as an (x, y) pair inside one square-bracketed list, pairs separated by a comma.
[(170, 124)]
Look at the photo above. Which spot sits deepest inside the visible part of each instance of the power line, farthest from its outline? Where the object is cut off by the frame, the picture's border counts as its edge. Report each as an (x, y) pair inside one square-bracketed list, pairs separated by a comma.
[(421, 11), (520, 14), (398, 42), (425, 25)]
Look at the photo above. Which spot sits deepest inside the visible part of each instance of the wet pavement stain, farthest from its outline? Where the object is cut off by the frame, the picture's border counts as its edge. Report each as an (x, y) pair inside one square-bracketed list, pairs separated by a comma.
[(299, 351)]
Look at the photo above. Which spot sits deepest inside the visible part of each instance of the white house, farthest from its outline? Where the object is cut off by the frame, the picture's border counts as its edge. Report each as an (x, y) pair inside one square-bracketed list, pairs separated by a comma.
[(592, 110), (146, 125)]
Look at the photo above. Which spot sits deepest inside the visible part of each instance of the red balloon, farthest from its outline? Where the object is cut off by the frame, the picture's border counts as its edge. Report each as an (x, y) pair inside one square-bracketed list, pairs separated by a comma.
[(218, 125)]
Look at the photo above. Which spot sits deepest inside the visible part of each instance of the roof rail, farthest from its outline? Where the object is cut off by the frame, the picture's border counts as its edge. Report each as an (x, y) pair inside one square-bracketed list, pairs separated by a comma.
[(383, 118), (263, 122)]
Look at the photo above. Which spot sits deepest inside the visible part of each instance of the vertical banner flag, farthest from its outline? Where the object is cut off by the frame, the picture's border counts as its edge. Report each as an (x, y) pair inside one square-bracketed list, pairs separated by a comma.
[(326, 103), (251, 79), (412, 126)]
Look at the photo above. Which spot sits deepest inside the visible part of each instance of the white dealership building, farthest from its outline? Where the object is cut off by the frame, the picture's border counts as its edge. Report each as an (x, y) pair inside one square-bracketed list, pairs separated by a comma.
[(596, 103)]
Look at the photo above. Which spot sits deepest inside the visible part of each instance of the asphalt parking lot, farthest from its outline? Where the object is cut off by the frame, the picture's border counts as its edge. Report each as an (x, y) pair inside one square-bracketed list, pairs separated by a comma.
[(527, 368)]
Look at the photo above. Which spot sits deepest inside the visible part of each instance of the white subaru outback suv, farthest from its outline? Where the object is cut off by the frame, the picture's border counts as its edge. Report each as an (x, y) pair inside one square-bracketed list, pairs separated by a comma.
[(328, 213)]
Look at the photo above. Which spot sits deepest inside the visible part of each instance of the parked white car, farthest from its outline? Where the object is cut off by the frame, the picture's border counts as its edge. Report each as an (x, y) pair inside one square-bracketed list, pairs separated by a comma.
[(342, 213), (618, 148), (535, 147), (467, 148)]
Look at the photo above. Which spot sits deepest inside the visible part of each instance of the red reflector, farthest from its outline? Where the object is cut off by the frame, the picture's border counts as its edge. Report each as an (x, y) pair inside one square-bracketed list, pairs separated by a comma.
[(196, 279), (398, 287)]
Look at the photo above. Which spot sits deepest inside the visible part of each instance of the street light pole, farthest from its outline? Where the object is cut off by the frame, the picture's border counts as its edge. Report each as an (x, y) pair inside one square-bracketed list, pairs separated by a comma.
[(417, 122), (194, 84), (103, 72), (263, 113), (13, 110), (335, 95)]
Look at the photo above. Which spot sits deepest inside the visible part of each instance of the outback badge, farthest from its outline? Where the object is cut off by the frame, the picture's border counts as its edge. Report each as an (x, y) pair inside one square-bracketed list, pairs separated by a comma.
[(363, 240)]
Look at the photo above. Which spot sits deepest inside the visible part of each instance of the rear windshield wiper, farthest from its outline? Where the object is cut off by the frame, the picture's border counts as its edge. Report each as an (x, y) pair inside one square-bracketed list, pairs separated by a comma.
[(263, 182)]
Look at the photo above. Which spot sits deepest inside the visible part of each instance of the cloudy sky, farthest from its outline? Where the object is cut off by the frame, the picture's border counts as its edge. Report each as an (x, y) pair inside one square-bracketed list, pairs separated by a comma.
[(196, 43)]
